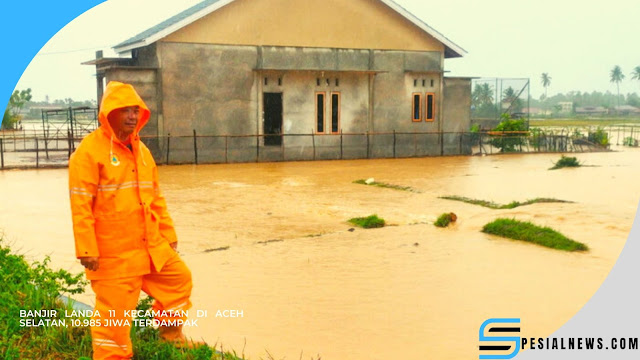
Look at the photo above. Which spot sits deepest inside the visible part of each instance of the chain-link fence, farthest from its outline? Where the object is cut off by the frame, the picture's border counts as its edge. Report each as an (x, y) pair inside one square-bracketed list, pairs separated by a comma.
[(493, 97)]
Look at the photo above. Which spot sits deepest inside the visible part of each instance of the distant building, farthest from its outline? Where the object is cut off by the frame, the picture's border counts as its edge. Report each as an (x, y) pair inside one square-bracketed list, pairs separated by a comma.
[(626, 110), (535, 111), (566, 107), (591, 110)]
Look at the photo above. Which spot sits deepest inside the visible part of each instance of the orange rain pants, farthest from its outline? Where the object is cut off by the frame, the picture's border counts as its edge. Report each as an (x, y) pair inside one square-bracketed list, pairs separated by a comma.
[(171, 289)]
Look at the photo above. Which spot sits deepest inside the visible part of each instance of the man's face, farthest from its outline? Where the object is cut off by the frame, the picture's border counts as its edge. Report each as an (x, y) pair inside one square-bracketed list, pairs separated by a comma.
[(124, 120)]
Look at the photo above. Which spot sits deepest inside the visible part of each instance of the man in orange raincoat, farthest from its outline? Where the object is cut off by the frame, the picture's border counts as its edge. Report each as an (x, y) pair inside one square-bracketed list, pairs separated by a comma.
[(124, 236)]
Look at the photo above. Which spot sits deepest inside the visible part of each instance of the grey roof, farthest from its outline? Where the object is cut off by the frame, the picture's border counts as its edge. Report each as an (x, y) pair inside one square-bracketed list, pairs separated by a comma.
[(165, 24), (451, 49)]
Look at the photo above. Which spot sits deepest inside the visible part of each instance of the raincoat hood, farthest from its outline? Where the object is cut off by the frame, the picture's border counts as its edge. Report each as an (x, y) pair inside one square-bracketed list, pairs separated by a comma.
[(118, 95)]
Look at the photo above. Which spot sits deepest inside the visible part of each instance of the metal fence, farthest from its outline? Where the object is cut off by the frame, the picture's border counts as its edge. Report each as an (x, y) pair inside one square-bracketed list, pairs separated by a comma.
[(36, 150), (493, 97)]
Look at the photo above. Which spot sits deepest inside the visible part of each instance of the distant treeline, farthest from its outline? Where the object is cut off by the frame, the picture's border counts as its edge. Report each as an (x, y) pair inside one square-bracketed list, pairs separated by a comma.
[(33, 109), (607, 100)]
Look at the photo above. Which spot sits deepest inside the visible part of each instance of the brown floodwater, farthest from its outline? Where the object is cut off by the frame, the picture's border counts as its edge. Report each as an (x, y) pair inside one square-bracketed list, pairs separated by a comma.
[(306, 285)]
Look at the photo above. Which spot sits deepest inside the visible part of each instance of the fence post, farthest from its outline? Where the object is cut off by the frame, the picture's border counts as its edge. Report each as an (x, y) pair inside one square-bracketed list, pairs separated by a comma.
[(313, 142), (367, 133), (394, 143), (226, 149), (1, 154), (341, 146), (195, 146), (168, 146), (46, 148), (37, 154), (68, 144)]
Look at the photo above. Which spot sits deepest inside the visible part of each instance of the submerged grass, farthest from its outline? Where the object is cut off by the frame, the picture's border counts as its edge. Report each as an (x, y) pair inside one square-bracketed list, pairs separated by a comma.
[(385, 185), (526, 231), (566, 161), (445, 219), (369, 222), (511, 205), (35, 286)]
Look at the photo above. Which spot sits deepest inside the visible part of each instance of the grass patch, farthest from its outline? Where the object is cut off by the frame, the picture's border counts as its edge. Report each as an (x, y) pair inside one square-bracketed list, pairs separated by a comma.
[(369, 222), (511, 205), (566, 161), (526, 231), (385, 185), (445, 219), (36, 286)]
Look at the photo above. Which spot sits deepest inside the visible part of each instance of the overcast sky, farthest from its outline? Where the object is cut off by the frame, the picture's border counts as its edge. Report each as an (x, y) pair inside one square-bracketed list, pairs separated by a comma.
[(576, 42)]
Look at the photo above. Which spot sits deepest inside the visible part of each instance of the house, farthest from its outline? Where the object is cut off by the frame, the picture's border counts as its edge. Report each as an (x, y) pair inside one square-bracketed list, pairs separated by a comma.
[(626, 110), (565, 107), (591, 110), (535, 111), (293, 80)]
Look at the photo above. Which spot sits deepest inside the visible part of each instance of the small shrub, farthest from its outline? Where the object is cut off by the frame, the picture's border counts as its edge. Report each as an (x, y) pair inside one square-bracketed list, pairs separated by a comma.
[(526, 231), (509, 142), (445, 219), (369, 222), (629, 141), (566, 161), (599, 137)]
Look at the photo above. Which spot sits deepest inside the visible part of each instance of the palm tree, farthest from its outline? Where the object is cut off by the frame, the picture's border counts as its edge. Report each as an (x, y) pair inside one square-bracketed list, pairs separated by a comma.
[(635, 74), (617, 76), (482, 94), (546, 81)]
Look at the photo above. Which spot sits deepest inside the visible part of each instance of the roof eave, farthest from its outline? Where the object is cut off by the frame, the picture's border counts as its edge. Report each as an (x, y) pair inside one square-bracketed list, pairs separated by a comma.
[(172, 28), (453, 49)]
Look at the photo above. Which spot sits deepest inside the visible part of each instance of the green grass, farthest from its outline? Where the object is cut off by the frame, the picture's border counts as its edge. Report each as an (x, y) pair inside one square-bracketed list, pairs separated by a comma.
[(385, 185), (369, 222), (35, 286), (526, 231), (511, 205), (566, 161), (444, 220)]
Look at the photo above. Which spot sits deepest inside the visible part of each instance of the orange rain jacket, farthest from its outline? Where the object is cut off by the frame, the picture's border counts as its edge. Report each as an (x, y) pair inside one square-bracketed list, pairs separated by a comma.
[(118, 212)]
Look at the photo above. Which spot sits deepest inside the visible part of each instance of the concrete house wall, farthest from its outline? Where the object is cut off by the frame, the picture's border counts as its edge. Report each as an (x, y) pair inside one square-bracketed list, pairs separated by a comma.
[(211, 76)]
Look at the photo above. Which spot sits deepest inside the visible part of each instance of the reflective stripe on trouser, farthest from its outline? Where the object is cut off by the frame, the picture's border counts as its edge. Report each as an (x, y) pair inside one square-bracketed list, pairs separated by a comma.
[(171, 288)]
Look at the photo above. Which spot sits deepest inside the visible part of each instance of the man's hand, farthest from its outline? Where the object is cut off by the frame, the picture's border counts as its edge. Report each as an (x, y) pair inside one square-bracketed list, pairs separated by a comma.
[(90, 263), (174, 246)]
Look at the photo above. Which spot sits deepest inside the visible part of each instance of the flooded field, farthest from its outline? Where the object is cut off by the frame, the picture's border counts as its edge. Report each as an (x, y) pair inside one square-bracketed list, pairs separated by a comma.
[(309, 284)]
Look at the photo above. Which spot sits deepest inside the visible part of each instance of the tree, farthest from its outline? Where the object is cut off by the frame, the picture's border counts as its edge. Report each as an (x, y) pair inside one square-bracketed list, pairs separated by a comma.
[(546, 81), (617, 76), (635, 74), (482, 101), (507, 142), (16, 103), (482, 94), (511, 98)]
